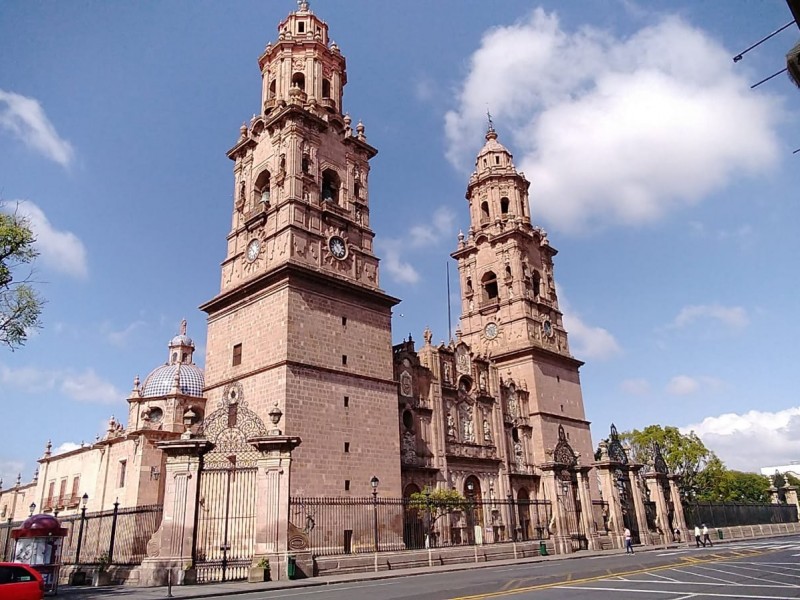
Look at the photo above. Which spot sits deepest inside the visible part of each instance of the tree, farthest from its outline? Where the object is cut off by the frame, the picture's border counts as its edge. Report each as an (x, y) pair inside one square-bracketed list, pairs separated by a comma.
[(437, 503), (20, 304), (685, 455)]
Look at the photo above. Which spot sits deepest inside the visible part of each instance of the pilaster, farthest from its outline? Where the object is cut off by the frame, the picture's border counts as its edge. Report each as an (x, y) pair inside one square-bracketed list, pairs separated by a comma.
[(561, 539), (656, 489), (675, 493), (610, 492), (585, 497), (638, 504)]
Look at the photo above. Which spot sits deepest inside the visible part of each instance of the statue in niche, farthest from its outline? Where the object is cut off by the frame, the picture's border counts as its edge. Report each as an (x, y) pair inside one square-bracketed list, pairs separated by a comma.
[(409, 447), (467, 425), (519, 460), (451, 426), (482, 381), (487, 432), (447, 373), (513, 408)]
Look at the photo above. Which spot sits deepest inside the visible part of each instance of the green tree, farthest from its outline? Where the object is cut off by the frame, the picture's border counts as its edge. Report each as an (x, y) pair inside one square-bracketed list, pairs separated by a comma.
[(438, 503), (20, 304), (685, 455)]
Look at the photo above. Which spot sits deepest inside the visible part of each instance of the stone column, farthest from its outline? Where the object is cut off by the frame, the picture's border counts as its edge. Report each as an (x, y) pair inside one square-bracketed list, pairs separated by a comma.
[(274, 540), (774, 498), (561, 540), (675, 494), (653, 482), (170, 548), (587, 509), (638, 504), (791, 497), (610, 492)]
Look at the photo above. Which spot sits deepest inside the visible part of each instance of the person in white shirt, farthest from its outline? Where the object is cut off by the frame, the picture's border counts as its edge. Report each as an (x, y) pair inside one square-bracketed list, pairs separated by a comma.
[(697, 536), (706, 539), (628, 542)]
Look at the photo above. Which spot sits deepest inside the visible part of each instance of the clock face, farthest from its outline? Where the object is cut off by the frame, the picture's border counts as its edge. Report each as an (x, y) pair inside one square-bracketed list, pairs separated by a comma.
[(490, 331), (252, 250), (337, 247)]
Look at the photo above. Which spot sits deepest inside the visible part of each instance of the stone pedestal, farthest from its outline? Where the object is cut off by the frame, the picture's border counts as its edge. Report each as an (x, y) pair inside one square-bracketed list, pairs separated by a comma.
[(169, 551), (275, 537)]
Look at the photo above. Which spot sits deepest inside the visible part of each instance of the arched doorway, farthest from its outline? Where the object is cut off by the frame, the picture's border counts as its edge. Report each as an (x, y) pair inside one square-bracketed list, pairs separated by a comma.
[(474, 513)]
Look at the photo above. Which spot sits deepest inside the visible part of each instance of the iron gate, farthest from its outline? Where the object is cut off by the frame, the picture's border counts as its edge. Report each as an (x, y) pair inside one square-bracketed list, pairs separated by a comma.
[(227, 504)]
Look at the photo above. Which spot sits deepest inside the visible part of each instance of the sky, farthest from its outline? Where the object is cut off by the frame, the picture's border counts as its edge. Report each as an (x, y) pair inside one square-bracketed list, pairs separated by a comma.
[(668, 186)]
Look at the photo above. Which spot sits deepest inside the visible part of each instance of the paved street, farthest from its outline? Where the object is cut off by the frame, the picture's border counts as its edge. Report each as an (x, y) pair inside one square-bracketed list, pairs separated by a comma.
[(760, 569)]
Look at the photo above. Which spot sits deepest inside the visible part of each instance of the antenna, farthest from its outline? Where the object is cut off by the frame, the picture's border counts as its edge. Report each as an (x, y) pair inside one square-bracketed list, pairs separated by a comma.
[(766, 79), (449, 318), (739, 56)]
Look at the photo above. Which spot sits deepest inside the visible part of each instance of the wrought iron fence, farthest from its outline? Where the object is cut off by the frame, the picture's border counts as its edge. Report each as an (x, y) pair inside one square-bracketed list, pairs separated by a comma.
[(118, 536), (361, 525), (729, 514), (6, 543)]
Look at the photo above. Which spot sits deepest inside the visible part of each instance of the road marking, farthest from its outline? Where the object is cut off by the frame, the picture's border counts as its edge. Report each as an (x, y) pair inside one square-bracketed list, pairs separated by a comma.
[(704, 576), (634, 591), (673, 553), (661, 577)]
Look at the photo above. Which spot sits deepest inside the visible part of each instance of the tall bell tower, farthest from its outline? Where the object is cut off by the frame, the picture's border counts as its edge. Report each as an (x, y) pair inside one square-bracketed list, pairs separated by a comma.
[(300, 321), (509, 307)]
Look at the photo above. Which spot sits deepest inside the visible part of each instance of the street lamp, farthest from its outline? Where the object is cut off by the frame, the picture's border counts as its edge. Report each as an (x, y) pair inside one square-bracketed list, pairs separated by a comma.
[(470, 509), (32, 507), (84, 502), (374, 483)]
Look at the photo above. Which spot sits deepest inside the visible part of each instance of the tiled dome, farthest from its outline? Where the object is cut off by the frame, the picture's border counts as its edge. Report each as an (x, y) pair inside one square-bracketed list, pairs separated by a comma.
[(181, 340), (161, 380)]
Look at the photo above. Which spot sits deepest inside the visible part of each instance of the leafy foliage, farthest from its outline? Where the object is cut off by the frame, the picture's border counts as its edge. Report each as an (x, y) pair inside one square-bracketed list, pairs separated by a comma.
[(20, 305), (725, 485), (437, 503)]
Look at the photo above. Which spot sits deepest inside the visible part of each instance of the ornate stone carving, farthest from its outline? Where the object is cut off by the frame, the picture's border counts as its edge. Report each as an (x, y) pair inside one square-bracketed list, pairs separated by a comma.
[(406, 387)]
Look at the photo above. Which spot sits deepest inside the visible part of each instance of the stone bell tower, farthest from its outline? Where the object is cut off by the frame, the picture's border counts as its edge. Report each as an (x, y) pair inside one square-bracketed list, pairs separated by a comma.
[(300, 321), (509, 307)]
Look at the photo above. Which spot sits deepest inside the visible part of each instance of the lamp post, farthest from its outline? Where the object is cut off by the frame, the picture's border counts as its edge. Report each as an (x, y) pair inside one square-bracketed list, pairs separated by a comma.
[(512, 517), (374, 483), (427, 493), (470, 509), (32, 507), (84, 501)]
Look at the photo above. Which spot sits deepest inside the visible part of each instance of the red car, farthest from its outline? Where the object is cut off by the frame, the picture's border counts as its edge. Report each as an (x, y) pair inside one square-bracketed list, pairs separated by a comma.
[(20, 582)]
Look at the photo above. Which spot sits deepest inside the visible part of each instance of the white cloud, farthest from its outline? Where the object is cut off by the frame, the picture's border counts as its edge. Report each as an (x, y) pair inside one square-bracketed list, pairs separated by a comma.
[(27, 121), (635, 387), (83, 387), (614, 131), (89, 387), (59, 250), (734, 317), (120, 337), (9, 469), (420, 236), (752, 440), (684, 385), (66, 447), (586, 341)]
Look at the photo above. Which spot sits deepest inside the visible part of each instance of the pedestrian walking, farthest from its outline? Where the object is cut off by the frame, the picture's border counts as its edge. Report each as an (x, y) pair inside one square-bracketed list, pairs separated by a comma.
[(705, 536), (697, 536), (628, 542)]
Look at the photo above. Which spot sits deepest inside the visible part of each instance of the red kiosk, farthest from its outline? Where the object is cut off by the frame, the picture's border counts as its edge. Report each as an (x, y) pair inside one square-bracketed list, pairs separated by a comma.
[(37, 542)]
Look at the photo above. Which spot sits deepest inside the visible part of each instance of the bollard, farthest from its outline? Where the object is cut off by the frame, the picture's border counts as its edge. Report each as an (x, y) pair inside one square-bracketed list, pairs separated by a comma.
[(169, 583), (719, 533), (291, 566), (542, 549)]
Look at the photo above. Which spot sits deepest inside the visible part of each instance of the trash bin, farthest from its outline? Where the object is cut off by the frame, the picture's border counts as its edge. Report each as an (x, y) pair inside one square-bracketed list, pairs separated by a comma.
[(542, 549), (719, 534), (291, 566)]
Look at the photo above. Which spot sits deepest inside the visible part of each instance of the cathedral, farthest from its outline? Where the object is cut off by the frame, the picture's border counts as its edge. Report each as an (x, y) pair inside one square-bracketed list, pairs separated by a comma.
[(303, 394)]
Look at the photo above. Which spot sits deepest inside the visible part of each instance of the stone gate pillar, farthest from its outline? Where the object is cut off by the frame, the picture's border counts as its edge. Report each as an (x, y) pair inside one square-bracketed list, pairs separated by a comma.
[(170, 548), (587, 509), (272, 497), (638, 504), (677, 504), (561, 540), (654, 482), (610, 493)]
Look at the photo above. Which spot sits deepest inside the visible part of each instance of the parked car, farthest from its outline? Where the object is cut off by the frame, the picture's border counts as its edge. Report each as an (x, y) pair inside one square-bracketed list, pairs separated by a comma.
[(20, 582)]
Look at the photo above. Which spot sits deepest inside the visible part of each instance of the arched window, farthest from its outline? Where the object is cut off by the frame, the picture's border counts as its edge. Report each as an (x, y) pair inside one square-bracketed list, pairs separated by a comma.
[(356, 190), (484, 212), (469, 286), (536, 284), (326, 88), (489, 283), (299, 81), (262, 187), (408, 420), (330, 186), (305, 163), (504, 204), (272, 89)]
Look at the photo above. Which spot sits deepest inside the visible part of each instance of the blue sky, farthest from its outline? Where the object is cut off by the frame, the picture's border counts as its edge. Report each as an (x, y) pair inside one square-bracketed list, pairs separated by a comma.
[(668, 186)]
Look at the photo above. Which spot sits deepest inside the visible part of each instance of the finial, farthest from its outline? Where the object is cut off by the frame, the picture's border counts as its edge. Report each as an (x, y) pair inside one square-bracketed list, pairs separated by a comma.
[(427, 335), (183, 327), (489, 118), (48, 448), (36, 474), (360, 130), (302, 6), (243, 129), (19, 479), (136, 383)]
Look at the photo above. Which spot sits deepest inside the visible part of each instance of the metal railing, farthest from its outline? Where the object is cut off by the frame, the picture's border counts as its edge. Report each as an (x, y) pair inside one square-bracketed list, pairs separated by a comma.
[(731, 514), (363, 525)]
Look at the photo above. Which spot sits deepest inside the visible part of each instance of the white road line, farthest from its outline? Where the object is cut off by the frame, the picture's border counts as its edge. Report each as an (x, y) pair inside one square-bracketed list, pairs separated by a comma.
[(704, 576), (761, 570), (699, 594), (661, 576), (738, 585), (685, 597), (673, 553), (730, 573)]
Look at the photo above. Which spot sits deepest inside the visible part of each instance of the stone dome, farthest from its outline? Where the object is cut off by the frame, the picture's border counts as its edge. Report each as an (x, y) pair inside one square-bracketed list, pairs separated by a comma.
[(181, 340), (161, 381)]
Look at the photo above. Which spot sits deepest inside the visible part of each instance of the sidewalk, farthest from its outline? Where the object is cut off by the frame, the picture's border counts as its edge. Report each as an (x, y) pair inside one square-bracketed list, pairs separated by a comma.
[(242, 587)]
